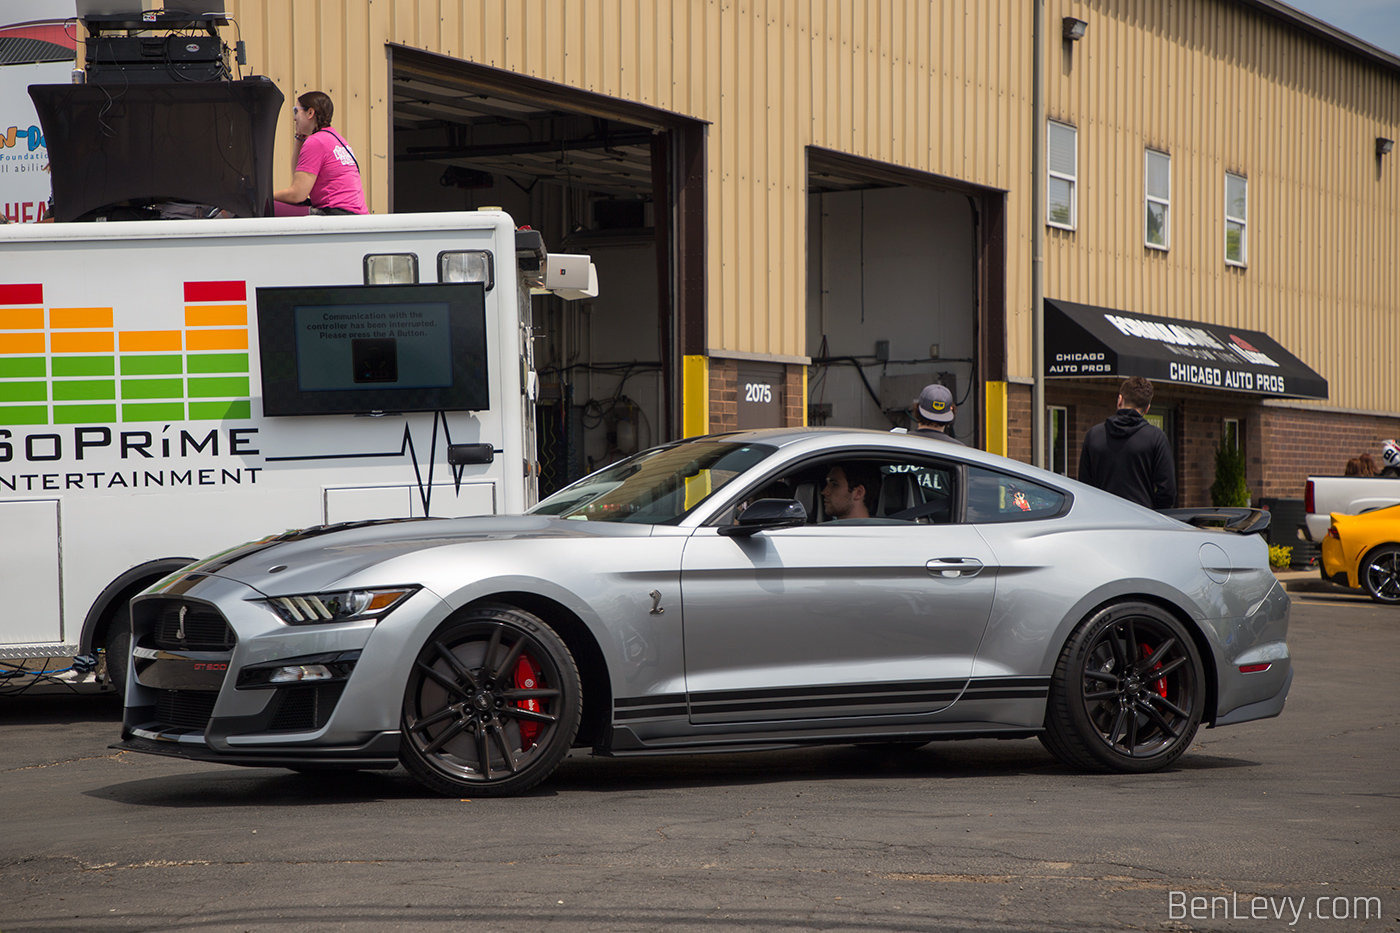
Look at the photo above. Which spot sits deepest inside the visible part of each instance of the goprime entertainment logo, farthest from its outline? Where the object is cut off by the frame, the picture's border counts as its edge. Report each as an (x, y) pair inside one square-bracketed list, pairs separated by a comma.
[(1183, 905)]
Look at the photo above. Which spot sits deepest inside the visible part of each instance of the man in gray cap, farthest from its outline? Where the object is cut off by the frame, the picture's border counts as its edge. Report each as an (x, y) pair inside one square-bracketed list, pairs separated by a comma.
[(934, 412)]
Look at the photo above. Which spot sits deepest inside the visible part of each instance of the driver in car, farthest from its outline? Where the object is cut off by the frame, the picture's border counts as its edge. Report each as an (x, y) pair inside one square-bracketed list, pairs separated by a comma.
[(850, 491)]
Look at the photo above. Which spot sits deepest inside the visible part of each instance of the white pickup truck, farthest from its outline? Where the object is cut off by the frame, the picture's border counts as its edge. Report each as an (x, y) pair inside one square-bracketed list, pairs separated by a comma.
[(1346, 495)]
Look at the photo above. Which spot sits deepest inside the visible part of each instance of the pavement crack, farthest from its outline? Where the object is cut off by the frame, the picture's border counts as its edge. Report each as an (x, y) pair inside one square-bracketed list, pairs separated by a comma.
[(64, 761)]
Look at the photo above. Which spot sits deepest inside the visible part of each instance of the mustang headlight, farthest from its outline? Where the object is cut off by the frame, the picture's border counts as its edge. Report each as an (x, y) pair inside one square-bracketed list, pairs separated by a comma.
[(339, 606)]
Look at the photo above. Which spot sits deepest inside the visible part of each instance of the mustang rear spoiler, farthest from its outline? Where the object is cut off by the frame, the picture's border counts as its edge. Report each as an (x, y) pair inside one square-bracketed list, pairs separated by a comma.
[(1240, 521)]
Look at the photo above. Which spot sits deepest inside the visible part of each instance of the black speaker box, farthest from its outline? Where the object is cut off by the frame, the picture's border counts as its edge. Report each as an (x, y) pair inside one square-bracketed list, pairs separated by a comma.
[(197, 142), (152, 50)]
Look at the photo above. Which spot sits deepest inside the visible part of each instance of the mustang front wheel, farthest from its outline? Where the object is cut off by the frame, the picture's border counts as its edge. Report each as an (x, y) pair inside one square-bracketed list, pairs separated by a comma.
[(492, 704), (1380, 574), (1127, 694)]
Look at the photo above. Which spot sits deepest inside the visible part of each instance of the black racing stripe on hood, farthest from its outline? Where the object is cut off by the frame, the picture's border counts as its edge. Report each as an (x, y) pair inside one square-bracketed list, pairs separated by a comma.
[(228, 558)]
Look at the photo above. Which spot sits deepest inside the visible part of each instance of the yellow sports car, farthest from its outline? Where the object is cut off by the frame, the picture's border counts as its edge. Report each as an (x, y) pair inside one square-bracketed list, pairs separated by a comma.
[(1363, 552)]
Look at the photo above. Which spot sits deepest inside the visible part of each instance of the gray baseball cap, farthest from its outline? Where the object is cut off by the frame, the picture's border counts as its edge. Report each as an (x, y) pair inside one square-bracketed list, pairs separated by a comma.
[(936, 403)]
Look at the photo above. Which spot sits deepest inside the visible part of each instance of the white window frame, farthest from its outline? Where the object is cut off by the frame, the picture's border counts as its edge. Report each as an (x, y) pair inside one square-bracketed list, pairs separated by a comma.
[(1071, 179), (1149, 199), (1241, 222), (1230, 433), (1057, 455)]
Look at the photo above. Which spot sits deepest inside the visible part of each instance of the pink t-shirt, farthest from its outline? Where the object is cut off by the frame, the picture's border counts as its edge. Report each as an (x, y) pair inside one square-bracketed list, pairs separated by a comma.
[(326, 155)]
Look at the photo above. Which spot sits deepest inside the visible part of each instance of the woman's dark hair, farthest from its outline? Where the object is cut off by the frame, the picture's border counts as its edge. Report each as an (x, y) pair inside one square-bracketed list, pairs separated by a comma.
[(321, 103)]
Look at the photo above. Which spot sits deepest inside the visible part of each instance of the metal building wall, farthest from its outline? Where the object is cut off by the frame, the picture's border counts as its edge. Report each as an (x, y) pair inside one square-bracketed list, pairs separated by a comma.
[(938, 86), (1225, 87), (944, 86)]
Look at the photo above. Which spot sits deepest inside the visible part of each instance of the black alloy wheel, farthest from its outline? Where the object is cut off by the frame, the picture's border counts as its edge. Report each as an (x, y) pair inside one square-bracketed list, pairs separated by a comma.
[(492, 705), (1128, 692), (1380, 574)]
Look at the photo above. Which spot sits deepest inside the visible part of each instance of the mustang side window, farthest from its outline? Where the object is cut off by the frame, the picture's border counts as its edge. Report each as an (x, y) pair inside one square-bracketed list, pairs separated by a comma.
[(999, 497), (916, 492), (897, 492), (904, 492)]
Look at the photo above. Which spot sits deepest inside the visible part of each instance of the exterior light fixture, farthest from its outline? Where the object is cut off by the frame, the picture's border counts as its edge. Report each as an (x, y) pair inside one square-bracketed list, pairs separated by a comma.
[(1383, 145), (1074, 29)]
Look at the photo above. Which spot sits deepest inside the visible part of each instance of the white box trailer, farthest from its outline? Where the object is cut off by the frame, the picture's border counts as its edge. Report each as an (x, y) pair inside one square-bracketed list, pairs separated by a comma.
[(171, 388)]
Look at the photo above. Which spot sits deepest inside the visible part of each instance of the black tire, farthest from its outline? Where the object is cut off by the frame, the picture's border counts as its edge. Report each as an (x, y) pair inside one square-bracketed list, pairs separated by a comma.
[(118, 651), (1380, 574), (466, 732), (1099, 718)]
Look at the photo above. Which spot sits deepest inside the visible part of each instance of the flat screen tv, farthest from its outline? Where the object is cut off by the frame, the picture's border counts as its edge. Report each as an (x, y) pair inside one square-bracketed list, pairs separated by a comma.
[(370, 349)]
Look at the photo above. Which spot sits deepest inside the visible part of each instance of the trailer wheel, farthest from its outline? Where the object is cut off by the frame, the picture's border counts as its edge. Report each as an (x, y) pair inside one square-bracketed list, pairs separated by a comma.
[(108, 622), (118, 650)]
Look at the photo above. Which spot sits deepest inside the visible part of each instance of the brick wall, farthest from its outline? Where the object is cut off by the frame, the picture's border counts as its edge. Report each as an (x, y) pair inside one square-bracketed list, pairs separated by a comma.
[(1283, 446), (794, 413), (1199, 423), (1299, 443), (1200, 426), (724, 395), (1018, 422)]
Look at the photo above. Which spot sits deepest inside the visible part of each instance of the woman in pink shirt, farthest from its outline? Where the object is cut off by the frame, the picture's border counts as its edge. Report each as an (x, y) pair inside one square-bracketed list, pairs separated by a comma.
[(326, 175)]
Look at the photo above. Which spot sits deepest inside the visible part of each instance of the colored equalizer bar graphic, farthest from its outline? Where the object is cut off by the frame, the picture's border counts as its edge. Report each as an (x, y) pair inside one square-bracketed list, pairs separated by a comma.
[(74, 366)]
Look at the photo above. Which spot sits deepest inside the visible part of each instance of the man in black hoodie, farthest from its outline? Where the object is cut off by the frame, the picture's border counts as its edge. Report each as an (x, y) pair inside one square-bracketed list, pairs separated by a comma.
[(1128, 456)]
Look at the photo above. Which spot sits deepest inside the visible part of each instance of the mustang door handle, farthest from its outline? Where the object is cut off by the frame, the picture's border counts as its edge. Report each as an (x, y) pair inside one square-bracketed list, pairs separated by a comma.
[(954, 566)]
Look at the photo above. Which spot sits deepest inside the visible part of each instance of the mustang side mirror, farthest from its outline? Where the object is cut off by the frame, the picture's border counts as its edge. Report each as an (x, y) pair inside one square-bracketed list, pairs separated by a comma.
[(766, 514), (468, 454)]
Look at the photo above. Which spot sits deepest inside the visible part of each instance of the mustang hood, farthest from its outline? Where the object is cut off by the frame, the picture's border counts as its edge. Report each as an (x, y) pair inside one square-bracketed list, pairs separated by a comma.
[(319, 558)]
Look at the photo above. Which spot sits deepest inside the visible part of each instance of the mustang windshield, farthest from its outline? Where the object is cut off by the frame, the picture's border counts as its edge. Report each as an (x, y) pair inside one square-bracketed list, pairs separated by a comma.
[(656, 486)]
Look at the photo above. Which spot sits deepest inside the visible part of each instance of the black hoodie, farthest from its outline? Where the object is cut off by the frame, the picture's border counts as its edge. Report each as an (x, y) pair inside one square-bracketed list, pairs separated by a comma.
[(1129, 457)]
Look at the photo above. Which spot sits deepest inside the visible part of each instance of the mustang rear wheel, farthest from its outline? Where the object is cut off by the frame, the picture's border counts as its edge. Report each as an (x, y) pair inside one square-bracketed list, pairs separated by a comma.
[(492, 704), (1127, 694), (1380, 574)]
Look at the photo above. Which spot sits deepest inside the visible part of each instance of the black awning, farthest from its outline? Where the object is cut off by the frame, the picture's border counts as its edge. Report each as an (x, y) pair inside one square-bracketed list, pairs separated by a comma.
[(1082, 341)]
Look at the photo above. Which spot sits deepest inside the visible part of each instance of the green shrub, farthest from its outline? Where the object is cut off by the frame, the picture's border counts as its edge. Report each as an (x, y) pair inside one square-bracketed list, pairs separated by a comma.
[(1229, 488), (1280, 556)]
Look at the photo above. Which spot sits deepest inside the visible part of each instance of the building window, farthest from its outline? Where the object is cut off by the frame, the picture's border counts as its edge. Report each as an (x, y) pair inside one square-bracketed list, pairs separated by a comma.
[(1060, 190), (1058, 439), (1165, 420), (1236, 218), (1158, 200), (1230, 434)]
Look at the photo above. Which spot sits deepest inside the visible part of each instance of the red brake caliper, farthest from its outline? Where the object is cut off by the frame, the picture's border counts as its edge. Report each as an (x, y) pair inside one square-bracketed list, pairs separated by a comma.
[(1161, 685), (527, 677)]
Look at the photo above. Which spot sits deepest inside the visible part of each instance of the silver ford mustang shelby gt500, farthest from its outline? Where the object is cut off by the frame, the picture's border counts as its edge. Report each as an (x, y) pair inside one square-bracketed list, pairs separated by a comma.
[(701, 596)]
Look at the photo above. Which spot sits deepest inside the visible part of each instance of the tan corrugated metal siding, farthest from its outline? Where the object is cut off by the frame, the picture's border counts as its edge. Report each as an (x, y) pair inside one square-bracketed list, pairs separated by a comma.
[(1225, 88), (944, 86), (939, 87)]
